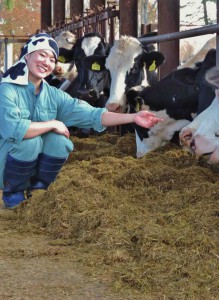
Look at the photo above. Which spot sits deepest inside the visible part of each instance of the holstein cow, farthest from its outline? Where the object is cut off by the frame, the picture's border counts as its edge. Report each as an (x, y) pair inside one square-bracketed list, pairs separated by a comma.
[(65, 70), (66, 39), (91, 82), (201, 136), (88, 84), (177, 99), (127, 63)]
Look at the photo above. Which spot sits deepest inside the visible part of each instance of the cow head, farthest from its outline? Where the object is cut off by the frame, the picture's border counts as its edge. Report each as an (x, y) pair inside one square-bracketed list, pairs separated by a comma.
[(89, 54), (201, 136), (126, 63), (65, 64), (66, 39), (175, 98)]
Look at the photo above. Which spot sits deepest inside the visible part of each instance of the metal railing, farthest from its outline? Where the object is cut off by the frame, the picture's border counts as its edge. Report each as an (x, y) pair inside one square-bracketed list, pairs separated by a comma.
[(85, 26)]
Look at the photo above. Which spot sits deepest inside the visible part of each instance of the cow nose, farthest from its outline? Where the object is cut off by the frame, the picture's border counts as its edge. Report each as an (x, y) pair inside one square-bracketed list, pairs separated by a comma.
[(92, 93), (192, 145), (86, 93), (185, 137), (57, 70), (113, 107)]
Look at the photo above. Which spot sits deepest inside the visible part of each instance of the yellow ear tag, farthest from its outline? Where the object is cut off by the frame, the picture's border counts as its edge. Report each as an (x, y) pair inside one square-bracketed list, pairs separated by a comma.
[(95, 66), (152, 66), (137, 107), (61, 59)]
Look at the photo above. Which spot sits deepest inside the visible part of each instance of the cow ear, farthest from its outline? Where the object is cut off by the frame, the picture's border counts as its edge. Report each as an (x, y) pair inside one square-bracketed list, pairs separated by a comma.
[(61, 59), (95, 63), (212, 77), (153, 60), (65, 55)]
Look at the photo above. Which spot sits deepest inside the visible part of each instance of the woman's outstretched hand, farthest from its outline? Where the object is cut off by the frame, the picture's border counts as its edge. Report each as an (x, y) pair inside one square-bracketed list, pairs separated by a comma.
[(146, 119)]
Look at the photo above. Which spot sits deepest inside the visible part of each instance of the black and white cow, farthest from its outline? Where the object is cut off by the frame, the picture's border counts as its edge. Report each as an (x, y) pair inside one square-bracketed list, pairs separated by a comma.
[(177, 99), (201, 136), (66, 39), (128, 63), (90, 82), (65, 70)]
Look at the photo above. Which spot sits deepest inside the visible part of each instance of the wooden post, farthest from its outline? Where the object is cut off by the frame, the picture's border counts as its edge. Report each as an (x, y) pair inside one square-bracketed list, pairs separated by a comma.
[(59, 11), (76, 8), (45, 14), (96, 2), (128, 17), (168, 21)]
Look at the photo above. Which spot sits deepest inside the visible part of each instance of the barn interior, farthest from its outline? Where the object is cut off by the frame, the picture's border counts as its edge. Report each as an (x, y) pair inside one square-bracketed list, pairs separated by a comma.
[(147, 226)]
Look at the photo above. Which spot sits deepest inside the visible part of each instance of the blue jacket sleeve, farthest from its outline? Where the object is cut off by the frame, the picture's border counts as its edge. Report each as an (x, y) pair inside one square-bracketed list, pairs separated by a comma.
[(78, 113)]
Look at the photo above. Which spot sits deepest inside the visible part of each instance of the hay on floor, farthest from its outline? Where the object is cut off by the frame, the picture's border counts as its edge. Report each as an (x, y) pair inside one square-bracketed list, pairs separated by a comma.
[(151, 223)]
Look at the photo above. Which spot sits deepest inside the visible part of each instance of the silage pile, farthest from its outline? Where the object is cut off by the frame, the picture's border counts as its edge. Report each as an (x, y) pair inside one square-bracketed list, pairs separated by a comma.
[(152, 224)]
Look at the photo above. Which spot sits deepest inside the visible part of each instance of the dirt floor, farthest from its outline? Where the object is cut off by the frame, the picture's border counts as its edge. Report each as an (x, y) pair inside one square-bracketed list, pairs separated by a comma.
[(32, 268)]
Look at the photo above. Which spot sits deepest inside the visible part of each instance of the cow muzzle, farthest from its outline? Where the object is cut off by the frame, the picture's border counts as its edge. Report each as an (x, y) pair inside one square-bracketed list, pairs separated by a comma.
[(185, 137), (87, 94), (114, 107)]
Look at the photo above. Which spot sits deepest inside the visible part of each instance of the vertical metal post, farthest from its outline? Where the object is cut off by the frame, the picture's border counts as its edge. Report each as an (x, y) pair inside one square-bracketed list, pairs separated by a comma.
[(67, 9), (217, 37), (52, 12), (8, 59)]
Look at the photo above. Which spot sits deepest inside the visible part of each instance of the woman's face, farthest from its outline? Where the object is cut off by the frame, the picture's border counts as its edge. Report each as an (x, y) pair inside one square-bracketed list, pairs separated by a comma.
[(40, 64)]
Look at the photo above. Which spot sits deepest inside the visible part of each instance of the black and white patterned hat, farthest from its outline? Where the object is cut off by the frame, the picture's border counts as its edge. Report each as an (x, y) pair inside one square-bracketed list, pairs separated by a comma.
[(18, 73)]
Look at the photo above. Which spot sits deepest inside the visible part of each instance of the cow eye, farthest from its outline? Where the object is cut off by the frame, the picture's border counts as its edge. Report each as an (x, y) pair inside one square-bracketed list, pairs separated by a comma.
[(216, 134), (134, 69)]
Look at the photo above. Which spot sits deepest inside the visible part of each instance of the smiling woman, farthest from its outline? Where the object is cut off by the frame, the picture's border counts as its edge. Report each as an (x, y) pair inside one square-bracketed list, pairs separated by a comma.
[(34, 136)]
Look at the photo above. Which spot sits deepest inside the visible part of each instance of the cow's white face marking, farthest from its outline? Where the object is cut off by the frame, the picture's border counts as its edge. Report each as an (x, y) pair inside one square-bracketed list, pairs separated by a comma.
[(119, 62), (89, 44)]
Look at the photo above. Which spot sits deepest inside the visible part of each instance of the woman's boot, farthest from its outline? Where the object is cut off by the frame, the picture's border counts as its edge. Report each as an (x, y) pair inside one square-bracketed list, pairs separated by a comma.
[(16, 179)]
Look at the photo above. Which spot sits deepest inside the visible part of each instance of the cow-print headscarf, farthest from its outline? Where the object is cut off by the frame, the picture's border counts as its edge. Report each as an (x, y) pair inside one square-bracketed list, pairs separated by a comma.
[(18, 73)]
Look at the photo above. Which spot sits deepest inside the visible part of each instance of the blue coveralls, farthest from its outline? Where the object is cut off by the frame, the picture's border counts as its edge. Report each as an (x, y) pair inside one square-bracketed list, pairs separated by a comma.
[(19, 106)]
